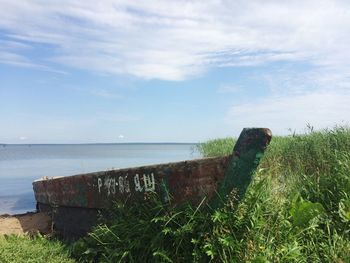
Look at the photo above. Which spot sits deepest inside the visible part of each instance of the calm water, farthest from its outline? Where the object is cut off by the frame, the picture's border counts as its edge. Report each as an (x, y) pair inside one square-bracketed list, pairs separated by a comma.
[(21, 164)]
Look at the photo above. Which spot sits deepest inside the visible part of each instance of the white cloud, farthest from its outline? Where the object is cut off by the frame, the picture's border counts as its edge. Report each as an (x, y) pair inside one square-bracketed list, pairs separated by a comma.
[(11, 54), (175, 40), (320, 109)]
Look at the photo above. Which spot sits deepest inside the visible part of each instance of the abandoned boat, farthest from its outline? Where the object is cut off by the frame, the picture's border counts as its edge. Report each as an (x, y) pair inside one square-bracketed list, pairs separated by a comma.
[(75, 201)]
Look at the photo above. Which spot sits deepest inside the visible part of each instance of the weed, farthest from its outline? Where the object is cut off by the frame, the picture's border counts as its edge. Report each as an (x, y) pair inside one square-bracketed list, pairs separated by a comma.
[(297, 209)]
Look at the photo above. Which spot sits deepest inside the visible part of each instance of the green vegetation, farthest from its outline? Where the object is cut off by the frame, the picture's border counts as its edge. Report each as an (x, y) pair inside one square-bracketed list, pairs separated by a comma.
[(148, 232), (217, 147), (296, 210), (18, 249)]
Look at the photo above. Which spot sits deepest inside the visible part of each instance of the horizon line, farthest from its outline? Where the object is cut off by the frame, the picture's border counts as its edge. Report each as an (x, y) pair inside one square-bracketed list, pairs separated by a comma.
[(98, 143)]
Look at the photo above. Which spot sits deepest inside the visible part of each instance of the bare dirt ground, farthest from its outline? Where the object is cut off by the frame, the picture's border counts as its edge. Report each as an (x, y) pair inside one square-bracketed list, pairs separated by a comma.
[(28, 223)]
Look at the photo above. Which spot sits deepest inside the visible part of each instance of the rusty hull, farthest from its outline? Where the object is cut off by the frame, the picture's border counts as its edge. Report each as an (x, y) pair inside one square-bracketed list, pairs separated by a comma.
[(75, 200), (183, 181)]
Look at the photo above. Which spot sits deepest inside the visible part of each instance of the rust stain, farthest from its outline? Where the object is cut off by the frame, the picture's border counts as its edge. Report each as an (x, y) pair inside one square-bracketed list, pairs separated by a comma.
[(188, 180)]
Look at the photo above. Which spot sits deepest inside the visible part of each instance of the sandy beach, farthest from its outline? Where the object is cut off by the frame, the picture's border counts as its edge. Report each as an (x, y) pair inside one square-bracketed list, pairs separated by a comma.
[(28, 223)]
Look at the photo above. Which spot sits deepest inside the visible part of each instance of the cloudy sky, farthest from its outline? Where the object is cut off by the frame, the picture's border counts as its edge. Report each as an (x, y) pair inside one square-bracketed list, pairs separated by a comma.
[(179, 71)]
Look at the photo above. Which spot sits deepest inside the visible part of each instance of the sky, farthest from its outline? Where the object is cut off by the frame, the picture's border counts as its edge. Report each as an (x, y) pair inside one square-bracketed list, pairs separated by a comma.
[(170, 71)]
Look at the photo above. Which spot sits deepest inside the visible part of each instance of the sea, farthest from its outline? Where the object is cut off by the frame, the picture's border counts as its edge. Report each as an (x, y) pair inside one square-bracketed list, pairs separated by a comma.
[(21, 164)]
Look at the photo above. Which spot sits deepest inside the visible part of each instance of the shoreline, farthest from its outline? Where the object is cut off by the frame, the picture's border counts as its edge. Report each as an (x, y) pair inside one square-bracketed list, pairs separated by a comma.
[(27, 223)]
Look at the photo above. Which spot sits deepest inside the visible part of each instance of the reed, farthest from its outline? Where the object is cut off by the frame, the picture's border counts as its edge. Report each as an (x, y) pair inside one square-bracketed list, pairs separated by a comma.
[(297, 209)]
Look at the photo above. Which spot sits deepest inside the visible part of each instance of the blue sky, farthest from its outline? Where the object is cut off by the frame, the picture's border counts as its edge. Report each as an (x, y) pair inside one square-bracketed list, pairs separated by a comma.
[(170, 71)]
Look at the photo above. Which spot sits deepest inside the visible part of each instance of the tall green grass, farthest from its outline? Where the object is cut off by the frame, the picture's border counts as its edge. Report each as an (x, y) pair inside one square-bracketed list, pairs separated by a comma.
[(297, 209)]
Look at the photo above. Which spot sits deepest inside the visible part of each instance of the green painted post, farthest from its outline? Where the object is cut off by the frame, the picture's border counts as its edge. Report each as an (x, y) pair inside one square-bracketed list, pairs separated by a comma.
[(246, 156)]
